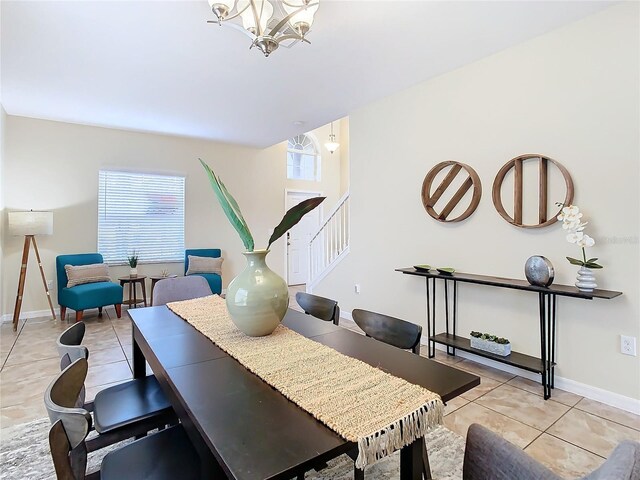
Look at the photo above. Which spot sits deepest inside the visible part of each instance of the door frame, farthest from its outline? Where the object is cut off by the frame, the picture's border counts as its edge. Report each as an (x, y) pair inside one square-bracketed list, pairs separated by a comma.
[(287, 191)]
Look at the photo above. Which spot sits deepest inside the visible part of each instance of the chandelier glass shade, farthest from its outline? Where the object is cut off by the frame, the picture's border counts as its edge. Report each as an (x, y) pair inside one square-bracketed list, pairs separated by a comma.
[(266, 28)]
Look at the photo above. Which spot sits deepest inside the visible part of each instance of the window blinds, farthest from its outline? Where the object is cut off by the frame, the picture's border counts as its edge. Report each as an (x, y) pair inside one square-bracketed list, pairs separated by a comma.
[(140, 212)]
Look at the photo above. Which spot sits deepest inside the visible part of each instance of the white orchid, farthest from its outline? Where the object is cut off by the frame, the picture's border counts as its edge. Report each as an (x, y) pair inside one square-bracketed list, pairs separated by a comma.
[(572, 223), (585, 241), (575, 237)]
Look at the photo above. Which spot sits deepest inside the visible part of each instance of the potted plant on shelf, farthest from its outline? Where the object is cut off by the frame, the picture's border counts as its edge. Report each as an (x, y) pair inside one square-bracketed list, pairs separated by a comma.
[(490, 343), (132, 260), (572, 223), (258, 298)]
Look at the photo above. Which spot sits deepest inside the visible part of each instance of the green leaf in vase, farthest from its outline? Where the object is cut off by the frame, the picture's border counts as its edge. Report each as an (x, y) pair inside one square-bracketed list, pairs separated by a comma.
[(230, 208), (293, 216)]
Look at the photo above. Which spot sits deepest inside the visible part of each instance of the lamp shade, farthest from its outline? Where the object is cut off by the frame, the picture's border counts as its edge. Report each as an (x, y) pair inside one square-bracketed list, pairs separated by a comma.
[(31, 223)]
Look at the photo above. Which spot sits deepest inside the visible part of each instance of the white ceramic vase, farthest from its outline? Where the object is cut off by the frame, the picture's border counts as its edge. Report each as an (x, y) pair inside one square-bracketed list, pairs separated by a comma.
[(258, 298), (586, 280), (133, 272)]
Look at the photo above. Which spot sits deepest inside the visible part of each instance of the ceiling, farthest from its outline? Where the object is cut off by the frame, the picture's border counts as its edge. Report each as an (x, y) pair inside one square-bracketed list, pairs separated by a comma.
[(159, 67)]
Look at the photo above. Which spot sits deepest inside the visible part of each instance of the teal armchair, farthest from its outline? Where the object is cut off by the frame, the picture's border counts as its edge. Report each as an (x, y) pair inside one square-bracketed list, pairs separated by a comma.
[(215, 280), (88, 295)]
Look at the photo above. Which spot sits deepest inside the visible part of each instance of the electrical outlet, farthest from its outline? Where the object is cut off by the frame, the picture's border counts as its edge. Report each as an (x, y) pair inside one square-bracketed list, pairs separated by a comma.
[(49, 284), (356, 287), (628, 345)]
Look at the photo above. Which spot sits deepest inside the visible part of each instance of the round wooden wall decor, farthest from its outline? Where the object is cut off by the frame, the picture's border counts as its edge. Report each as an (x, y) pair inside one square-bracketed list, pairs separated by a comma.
[(430, 199), (516, 164)]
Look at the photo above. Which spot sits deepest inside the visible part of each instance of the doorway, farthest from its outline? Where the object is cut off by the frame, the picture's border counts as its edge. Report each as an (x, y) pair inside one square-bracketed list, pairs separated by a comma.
[(298, 238)]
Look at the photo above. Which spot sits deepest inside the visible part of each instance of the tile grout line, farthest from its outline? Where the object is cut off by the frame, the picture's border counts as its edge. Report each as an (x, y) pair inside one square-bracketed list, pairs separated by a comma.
[(121, 346), (567, 441), (605, 418), (535, 428), (13, 344), (574, 445)]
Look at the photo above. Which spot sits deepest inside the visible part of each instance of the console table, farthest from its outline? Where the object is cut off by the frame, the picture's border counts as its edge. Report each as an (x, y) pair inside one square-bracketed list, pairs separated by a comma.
[(545, 364)]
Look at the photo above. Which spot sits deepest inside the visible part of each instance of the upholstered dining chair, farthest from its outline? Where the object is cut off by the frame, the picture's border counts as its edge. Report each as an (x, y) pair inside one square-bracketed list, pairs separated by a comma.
[(180, 288), (319, 307), (167, 454), (129, 409), (215, 280), (391, 330), (488, 455), (87, 295)]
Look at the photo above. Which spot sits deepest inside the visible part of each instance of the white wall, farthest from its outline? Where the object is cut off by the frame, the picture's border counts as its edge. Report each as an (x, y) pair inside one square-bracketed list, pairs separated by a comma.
[(344, 151), (571, 94), (3, 120), (53, 165)]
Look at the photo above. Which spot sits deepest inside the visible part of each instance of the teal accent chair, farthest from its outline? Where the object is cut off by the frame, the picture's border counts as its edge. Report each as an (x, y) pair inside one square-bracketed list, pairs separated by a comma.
[(89, 295), (215, 280)]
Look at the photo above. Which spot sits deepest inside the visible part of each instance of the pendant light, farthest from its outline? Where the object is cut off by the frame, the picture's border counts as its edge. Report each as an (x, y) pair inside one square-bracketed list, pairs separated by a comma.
[(332, 145)]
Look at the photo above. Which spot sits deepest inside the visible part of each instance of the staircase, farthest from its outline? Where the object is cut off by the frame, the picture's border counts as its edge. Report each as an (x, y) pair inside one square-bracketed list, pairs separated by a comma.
[(330, 244)]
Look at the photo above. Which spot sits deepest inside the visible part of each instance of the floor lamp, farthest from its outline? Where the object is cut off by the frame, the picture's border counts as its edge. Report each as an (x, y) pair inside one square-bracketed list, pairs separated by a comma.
[(30, 224)]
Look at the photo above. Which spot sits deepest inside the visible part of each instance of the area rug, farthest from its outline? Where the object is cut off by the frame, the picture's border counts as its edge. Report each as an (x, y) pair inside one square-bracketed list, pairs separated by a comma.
[(24, 455)]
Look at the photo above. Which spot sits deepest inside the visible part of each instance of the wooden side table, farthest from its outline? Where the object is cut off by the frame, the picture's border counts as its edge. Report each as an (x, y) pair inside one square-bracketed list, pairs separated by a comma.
[(133, 301), (155, 279)]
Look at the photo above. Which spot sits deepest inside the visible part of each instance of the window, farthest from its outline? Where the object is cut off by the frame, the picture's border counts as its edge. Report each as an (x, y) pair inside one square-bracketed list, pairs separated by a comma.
[(140, 212), (303, 159)]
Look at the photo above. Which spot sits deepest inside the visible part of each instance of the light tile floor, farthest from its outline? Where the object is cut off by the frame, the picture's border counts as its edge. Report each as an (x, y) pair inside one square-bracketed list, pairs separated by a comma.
[(570, 434)]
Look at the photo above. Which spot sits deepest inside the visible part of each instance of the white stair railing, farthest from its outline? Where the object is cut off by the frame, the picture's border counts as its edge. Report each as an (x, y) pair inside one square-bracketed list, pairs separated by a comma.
[(331, 242)]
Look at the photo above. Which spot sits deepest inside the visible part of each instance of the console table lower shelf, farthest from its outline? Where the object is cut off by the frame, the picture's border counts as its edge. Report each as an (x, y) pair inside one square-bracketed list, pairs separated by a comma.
[(515, 359), (547, 296)]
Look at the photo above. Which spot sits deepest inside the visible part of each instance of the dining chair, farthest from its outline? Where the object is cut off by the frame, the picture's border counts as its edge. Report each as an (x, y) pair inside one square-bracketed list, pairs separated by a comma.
[(69, 342), (122, 411), (319, 307), (391, 330), (167, 454), (396, 332), (180, 288), (488, 455)]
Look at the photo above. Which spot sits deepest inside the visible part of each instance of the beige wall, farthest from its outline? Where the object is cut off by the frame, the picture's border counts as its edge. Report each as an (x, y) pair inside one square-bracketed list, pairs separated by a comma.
[(52, 165), (571, 94)]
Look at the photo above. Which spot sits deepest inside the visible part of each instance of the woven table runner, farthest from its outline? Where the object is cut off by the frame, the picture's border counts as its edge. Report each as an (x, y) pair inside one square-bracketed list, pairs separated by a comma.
[(378, 411)]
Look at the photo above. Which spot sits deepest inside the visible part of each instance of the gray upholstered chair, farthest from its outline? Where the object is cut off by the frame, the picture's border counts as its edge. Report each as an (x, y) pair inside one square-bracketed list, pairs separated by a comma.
[(319, 307), (164, 455), (488, 455), (180, 288), (125, 410), (391, 330)]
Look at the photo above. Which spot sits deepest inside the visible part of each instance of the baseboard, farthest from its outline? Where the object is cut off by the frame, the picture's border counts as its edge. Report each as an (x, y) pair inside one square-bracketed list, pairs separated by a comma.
[(8, 317), (594, 393)]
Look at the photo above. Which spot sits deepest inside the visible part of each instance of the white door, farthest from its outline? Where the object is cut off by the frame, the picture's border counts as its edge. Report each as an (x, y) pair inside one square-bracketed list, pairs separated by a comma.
[(298, 239)]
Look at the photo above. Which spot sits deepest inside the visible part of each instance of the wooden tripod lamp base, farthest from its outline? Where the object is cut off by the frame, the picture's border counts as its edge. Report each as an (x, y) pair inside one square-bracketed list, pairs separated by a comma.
[(30, 224)]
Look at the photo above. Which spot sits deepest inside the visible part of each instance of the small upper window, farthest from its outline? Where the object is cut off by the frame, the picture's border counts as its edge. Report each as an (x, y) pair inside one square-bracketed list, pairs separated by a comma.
[(303, 158)]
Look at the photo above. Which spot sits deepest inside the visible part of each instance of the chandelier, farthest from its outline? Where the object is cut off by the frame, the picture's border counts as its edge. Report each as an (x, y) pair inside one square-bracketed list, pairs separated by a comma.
[(266, 30)]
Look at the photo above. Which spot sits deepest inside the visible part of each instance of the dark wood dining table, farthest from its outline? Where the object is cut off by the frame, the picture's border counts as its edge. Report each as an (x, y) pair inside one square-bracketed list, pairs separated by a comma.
[(243, 428)]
